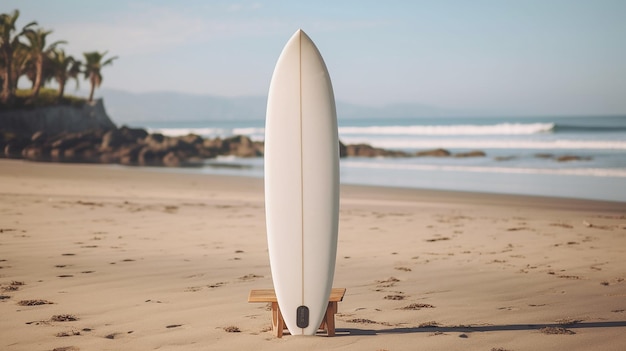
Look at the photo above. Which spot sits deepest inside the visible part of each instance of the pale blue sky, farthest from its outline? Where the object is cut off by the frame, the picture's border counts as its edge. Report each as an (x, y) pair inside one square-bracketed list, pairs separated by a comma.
[(530, 57)]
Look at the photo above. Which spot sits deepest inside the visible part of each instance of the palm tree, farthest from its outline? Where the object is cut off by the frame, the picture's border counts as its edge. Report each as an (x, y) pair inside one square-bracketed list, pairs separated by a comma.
[(20, 64), (64, 68), (38, 52), (93, 65), (8, 43)]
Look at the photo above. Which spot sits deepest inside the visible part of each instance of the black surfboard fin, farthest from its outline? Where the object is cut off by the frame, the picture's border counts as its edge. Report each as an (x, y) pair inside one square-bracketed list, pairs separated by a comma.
[(302, 317)]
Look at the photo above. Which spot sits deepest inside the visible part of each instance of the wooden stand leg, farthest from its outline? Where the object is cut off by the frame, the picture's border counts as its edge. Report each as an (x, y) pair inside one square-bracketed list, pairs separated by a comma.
[(278, 324), (330, 318)]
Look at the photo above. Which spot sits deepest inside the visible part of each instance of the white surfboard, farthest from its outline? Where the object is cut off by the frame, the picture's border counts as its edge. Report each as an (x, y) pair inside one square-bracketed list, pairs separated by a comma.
[(301, 184)]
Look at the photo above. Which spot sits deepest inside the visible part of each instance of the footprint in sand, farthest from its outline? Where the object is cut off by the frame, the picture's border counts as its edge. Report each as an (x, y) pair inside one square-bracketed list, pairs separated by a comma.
[(250, 277), (13, 286), (429, 324), (66, 348), (387, 283), (34, 302), (417, 306), (63, 318), (562, 225), (67, 333), (556, 331), (404, 269), (394, 297), (432, 240)]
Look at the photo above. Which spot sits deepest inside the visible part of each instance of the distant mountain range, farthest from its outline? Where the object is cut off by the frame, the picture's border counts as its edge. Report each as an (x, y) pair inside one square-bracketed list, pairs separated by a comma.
[(131, 108)]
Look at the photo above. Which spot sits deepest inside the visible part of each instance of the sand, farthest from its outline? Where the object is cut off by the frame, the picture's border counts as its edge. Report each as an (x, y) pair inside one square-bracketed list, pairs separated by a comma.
[(97, 257)]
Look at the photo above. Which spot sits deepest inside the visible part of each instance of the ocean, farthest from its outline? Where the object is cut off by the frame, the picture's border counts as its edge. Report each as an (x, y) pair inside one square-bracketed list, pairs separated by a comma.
[(569, 157)]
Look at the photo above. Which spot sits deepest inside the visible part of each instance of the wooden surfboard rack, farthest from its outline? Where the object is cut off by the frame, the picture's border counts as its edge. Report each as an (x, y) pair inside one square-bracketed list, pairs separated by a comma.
[(278, 324)]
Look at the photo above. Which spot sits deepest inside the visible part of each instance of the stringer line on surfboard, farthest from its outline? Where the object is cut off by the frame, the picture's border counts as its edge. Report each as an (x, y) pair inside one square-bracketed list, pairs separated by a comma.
[(302, 315)]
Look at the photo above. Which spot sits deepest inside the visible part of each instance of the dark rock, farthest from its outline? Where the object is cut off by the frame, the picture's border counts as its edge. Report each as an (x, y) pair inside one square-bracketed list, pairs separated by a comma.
[(112, 139), (154, 139), (240, 146), (433, 153), (85, 151), (128, 155), (475, 153), (39, 137), (505, 158), (171, 159), (56, 154), (544, 156), (134, 134), (343, 151), (116, 138), (214, 146), (366, 150), (13, 148), (204, 152), (360, 150), (70, 140), (192, 139), (109, 157), (35, 152), (151, 156), (182, 144), (569, 158), (260, 147)]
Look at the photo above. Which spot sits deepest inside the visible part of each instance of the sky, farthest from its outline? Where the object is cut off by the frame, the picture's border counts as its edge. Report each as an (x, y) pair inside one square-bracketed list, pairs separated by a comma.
[(531, 57)]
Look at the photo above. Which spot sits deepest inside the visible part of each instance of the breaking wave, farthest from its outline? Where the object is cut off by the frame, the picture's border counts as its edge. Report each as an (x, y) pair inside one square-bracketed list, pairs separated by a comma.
[(494, 129)]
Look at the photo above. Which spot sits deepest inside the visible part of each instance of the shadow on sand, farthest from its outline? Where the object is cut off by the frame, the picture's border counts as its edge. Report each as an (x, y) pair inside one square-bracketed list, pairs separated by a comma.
[(481, 328)]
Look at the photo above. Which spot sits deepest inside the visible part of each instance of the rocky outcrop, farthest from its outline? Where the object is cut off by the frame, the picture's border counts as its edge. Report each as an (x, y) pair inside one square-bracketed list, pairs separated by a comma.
[(564, 158), (128, 146), (366, 150), (433, 153), (475, 153)]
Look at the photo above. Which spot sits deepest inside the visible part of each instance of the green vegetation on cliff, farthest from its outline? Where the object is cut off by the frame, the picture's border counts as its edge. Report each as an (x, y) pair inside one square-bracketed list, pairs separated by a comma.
[(46, 97)]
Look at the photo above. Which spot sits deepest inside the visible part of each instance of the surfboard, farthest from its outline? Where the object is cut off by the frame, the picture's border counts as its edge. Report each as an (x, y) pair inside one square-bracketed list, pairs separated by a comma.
[(301, 184)]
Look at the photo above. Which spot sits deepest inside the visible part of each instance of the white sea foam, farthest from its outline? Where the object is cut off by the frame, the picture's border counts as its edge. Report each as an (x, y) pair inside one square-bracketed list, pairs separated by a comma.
[(256, 134), (439, 130), (404, 143), (597, 172), (249, 131), (494, 129)]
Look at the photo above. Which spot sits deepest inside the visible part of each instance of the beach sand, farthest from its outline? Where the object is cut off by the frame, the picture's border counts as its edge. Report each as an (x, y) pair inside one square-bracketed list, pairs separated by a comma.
[(96, 257)]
